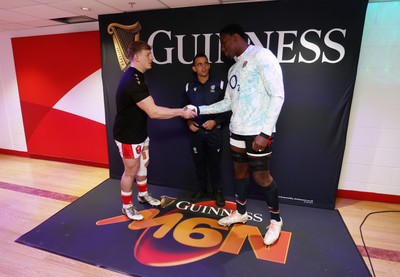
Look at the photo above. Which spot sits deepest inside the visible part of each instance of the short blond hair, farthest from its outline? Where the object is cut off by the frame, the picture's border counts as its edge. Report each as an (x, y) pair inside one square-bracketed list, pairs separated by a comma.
[(136, 47)]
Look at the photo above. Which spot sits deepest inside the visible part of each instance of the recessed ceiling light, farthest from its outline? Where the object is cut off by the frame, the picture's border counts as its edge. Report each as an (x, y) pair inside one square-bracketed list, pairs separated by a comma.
[(74, 19), (85, 9)]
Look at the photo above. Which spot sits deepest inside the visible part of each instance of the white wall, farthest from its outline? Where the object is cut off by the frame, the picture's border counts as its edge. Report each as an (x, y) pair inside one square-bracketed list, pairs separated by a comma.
[(372, 156), (11, 125)]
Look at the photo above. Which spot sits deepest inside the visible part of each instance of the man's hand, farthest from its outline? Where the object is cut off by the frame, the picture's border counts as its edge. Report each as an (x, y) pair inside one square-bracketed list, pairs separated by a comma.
[(209, 124), (191, 107), (260, 143), (189, 112), (193, 126)]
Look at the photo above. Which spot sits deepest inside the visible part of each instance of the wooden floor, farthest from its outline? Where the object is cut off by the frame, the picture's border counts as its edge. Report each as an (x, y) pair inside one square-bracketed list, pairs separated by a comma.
[(32, 190)]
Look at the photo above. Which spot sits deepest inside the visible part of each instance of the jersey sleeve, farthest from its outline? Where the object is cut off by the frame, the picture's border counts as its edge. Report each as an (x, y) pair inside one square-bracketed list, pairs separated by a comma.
[(139, 92), (271, 76), (219, 107), (223, 117)]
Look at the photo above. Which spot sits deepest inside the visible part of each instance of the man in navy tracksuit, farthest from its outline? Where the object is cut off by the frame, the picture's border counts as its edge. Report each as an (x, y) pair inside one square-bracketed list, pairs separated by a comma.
[(205, 130)]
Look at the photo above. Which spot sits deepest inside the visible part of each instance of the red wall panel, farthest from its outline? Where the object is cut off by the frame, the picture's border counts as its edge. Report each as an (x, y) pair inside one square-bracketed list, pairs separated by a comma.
[(48, 68)]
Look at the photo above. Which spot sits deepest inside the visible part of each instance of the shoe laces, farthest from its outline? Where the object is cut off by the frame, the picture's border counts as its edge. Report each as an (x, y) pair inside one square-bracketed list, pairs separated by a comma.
[(148, 197), (236, 214), (132, 209), (273, 227)]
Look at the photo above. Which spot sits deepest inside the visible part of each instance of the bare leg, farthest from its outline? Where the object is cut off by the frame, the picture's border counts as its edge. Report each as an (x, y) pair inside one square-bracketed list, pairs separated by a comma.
[(131, 166)]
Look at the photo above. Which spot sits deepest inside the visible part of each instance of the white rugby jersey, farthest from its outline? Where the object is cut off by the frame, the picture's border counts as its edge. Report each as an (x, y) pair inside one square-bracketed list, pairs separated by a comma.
[(254, 93)]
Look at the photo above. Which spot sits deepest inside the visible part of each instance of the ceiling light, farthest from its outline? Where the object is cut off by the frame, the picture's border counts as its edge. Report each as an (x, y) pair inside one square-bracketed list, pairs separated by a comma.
[(74, 19)]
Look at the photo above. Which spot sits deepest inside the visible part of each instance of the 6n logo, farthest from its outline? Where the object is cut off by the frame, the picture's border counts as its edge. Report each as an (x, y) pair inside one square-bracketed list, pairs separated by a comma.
[(171, 240)]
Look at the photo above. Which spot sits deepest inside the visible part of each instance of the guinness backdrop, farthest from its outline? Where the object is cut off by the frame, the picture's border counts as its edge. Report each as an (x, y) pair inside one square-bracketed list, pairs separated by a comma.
[(317, 43)]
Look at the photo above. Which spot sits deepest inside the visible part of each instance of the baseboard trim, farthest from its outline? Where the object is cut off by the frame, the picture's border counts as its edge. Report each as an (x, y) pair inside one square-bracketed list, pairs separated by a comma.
[(14, 153), (368, 196), (56, 159)]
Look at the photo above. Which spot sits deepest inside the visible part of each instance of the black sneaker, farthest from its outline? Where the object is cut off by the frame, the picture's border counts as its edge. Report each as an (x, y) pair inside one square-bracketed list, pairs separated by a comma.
[(219, 199), (196, 197)]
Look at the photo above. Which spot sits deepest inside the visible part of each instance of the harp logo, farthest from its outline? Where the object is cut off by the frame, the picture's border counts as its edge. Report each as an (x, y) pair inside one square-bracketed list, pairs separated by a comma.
[(122, 36), (181, 236)]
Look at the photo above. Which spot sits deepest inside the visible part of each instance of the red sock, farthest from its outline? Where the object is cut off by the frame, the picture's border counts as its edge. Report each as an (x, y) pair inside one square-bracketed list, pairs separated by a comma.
[(126, 197), (142, 186)]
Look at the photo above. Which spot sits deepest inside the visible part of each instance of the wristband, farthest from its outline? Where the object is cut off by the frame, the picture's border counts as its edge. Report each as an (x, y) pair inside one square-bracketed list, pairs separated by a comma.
[(264, 135)]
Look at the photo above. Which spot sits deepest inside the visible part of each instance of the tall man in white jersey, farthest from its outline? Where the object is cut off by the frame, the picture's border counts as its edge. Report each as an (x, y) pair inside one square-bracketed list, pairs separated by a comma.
[(255, 95)]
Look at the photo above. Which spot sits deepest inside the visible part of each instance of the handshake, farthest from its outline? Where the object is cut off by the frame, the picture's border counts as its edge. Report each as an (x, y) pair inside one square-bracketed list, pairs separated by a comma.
[(189, 111)]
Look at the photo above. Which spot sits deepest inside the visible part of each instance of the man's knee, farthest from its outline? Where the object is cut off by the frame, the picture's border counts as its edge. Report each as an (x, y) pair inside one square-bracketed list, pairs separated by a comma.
[(260, 169), (262, 178), (259, 163), (131, 166)]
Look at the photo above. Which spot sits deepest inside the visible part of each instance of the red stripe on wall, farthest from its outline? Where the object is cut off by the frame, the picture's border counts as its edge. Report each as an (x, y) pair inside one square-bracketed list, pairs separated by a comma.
[(368, 196), (68, 160), (14, 152), (56, 159)]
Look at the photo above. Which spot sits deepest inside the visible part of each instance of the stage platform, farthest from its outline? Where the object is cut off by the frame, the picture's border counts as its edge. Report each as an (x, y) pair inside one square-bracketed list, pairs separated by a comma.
[(184, 239)]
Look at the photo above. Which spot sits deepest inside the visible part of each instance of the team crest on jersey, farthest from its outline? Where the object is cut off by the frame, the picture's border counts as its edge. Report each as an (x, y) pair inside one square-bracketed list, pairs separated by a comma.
[(138, 149), (244, 64), (212, 88)]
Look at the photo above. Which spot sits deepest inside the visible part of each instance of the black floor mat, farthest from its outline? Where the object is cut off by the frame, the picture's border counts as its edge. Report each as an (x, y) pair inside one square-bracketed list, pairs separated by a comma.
[(184, 239)]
